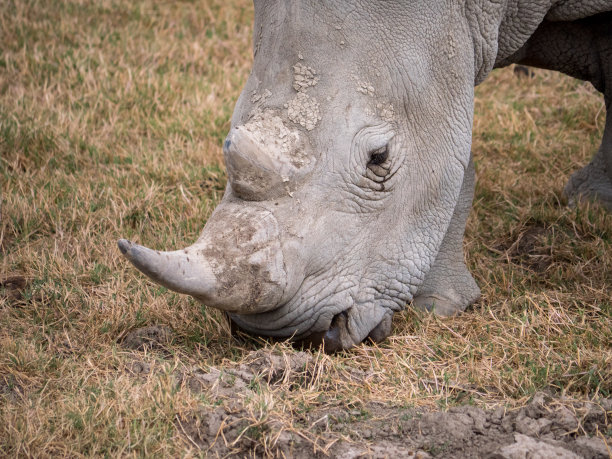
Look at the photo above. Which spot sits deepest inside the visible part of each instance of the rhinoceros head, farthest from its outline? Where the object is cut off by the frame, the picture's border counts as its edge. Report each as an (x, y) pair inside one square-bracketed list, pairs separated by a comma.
[(345, 158)]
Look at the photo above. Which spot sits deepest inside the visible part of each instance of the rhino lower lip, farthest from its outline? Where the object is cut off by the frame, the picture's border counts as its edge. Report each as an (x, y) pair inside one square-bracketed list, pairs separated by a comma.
[(336, 338), (330, 340)]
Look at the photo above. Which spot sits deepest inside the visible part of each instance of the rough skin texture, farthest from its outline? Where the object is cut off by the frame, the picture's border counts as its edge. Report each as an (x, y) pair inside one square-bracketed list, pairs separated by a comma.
[(566, 41), (449, 287)]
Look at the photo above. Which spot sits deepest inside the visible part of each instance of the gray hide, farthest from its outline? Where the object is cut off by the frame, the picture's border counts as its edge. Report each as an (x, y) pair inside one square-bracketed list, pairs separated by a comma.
[(350, 177)]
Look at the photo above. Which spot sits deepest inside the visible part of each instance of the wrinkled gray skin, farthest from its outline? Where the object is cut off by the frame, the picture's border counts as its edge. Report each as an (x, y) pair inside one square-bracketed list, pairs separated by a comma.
[(321, 235)]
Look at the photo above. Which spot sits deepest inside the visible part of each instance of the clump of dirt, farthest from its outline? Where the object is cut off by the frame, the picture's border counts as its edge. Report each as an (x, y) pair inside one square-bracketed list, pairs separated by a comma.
[(12, 288), (527, 447), (154, 337), (261, 367), (219, 431), (231, 426), (529, 249), (10, 389), (138, 367)]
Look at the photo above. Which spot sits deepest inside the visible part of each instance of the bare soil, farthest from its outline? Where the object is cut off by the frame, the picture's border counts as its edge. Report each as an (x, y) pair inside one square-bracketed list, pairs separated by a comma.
[(12, 287), (548, 426)]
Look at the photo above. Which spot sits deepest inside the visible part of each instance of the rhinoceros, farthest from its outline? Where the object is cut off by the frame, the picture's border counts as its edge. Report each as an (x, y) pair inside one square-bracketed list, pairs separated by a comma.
[(349, 164)]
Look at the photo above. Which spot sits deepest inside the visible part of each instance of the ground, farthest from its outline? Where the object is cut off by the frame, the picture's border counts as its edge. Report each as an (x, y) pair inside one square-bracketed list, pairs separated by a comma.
[(112, 117)]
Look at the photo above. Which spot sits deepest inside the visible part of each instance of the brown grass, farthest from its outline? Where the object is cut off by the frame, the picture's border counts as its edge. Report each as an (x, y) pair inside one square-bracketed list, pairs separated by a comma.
[(111, 120)]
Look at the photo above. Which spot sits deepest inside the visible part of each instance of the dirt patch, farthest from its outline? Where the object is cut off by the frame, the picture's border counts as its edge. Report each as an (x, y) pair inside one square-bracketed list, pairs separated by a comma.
[(530, 248), (261, 367), (10, 389), (12, 288), (231, 426), (568, 430), (138, 367), (219, 431), (154, 337)]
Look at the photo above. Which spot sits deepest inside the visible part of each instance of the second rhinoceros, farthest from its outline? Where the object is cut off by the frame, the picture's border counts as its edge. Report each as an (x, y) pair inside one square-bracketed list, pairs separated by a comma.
[(349, 165)]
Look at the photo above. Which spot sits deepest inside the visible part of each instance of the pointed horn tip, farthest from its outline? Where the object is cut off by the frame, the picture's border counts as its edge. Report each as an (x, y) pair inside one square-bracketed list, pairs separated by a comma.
[(124, 246)]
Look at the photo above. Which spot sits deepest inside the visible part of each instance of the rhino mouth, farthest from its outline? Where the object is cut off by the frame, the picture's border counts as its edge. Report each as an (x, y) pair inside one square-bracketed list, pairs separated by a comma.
[(336, 338)]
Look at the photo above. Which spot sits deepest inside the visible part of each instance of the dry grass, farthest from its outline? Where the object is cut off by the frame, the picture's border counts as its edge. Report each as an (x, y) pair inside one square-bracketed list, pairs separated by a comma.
[(111, 120)]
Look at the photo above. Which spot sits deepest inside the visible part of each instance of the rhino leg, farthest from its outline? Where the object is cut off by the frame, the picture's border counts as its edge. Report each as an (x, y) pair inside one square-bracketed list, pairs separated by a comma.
[(582, 49), (449, 287), (594, 181)]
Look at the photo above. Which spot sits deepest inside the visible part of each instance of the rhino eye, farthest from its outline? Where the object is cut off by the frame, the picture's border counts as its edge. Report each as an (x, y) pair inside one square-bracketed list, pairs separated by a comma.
[(378, 156)]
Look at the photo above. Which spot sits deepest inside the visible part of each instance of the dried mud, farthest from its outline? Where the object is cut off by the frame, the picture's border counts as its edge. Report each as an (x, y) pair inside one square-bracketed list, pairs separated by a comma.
[(153, 337), (529, 249), (544, 428), (12, 289), (228, 424)]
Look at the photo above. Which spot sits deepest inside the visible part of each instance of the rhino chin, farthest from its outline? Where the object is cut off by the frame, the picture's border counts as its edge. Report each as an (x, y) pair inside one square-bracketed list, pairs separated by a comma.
[(335, 339)]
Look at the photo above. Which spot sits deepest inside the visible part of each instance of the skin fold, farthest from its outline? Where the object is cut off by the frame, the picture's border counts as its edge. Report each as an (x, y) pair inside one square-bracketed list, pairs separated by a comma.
[(350, 176)]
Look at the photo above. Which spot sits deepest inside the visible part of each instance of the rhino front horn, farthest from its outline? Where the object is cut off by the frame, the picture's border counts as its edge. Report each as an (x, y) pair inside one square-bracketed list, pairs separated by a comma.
[(236, 265), (176, 270)]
